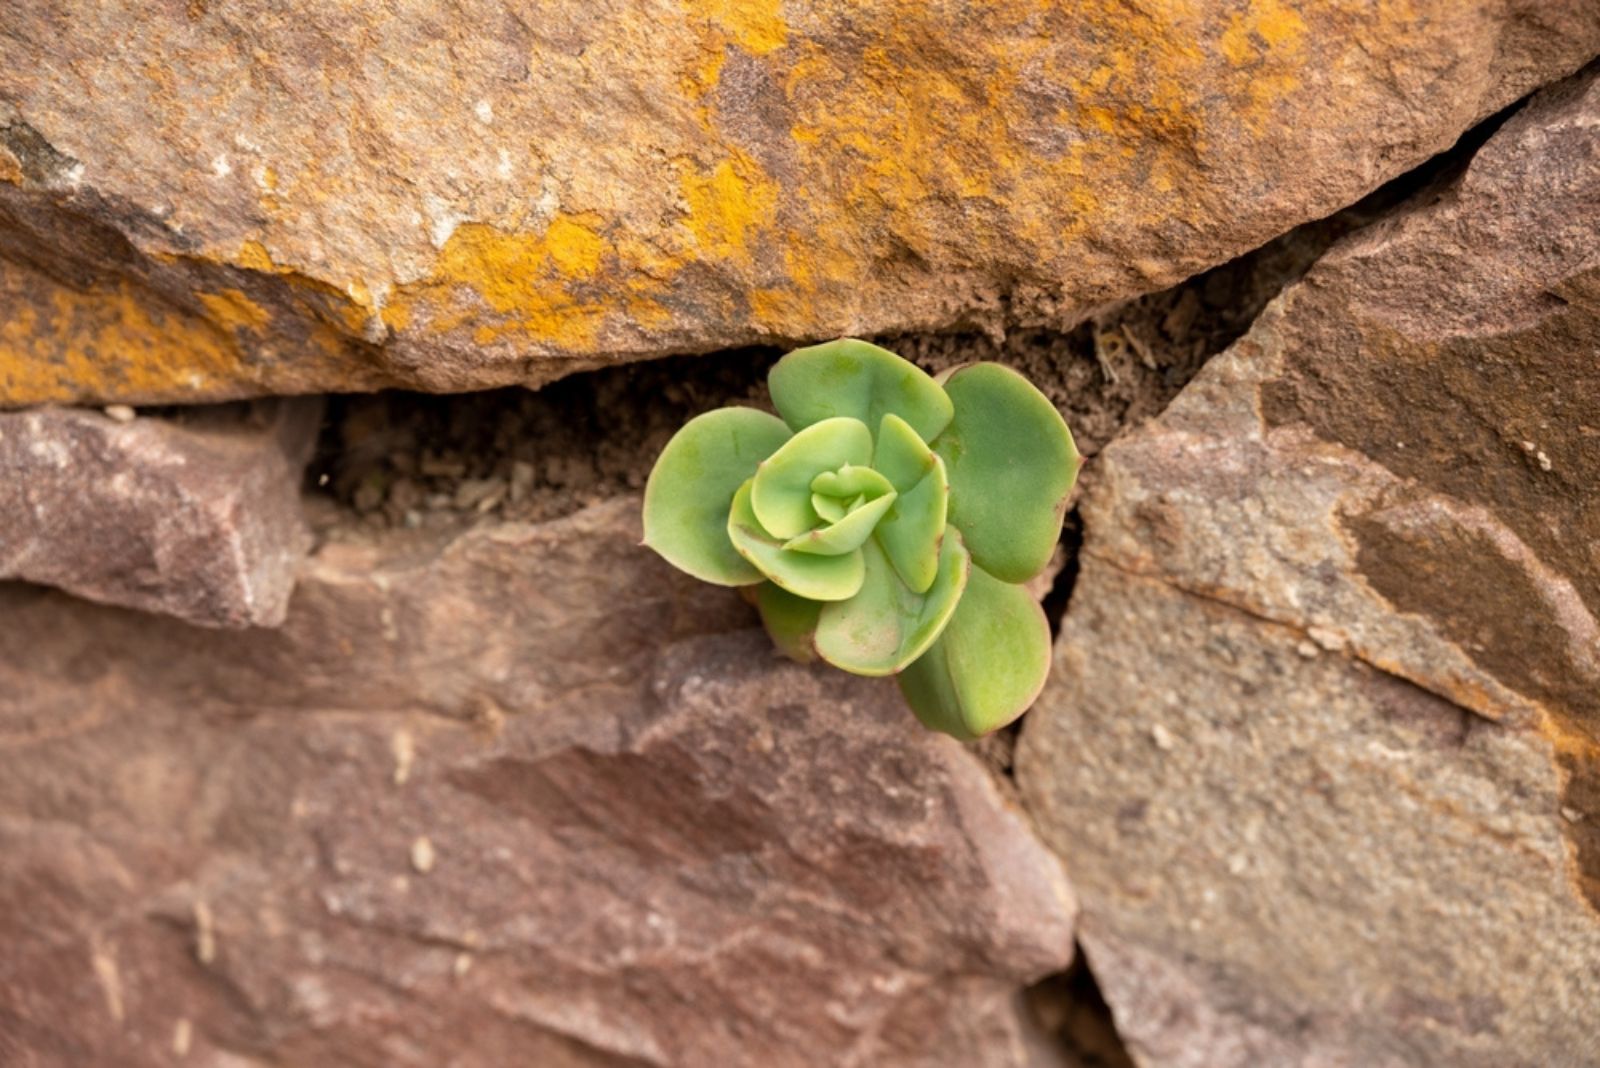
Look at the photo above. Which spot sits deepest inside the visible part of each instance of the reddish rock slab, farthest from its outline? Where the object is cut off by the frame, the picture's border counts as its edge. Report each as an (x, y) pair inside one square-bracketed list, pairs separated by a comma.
[(196, 517), (519, 795)]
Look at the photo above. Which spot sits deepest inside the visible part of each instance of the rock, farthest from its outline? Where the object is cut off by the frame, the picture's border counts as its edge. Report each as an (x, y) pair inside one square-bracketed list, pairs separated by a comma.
[(284, 197), (1328, 681), (195, 516), (649, 840)]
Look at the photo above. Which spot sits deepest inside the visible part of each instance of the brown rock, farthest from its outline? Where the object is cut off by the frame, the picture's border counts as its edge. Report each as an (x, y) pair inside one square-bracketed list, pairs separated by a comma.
[(197, 517), (1288, 857), (259, 196), (642, 846), (1323, 750)]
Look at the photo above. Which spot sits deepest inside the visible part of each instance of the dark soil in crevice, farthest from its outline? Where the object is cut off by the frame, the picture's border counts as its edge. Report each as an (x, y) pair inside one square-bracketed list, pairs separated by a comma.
[(1070, 1008), (400, 459)]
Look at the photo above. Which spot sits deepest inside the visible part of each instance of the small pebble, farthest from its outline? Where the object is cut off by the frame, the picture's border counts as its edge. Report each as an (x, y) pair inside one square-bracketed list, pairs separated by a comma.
[(422, 856), (119, 413)]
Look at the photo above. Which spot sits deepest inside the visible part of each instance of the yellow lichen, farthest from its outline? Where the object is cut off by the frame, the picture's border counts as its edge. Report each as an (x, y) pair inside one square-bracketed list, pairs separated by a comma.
[(112, 340), (728, 204), (232, 310), (757, 26), (575, 245), (253, 255), (526, 279)]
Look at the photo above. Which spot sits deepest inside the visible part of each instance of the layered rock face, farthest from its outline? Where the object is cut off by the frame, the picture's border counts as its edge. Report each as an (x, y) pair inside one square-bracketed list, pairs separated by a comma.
[(1323, 749), (219, 199), (523, 795)]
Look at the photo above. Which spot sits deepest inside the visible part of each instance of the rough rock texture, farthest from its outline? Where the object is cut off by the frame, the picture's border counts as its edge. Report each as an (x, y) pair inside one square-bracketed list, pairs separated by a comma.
[(1323, 748), (524, 795), (196, 516), (212, 199)]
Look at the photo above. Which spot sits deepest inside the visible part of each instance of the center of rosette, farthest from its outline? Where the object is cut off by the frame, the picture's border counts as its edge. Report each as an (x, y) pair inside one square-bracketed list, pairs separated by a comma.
[(848, 502)]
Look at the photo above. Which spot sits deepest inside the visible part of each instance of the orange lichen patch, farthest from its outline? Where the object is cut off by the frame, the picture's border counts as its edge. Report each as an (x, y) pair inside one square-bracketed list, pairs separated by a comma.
[(331, 310), (757, 26), (1279, 25), (119, 340), (59, 344), (575, 245), (560, 287), (727, 205), (253, 256), (527, 280), (232, 310), (754, 26), (1268, 38), (1267, 25)]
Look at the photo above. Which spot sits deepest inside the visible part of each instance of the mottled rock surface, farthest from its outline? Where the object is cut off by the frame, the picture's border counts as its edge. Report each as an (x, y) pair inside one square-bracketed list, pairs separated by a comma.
[(522, 795), (195, 516), (205, 199), (1323, 747)]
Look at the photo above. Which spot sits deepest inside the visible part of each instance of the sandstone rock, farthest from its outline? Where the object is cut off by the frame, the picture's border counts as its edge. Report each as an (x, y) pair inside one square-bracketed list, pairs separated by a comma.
[(260, 196), (1323, 750), (648, 840), (1288, 857), (196, 517)]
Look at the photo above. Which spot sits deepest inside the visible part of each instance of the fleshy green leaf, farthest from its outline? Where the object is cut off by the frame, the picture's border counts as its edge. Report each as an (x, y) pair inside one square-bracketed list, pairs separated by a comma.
[(791, 621), (817, 578), (910, 531), (988, 665), (856, 379), (1012, 463), (691, 488), (782, 493), (886, 626), (847, 534)]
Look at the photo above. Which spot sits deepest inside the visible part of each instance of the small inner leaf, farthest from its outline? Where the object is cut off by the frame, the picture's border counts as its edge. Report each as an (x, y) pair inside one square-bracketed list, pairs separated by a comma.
[(987, 667), (910, 531), (852, 483), (781, 496), (886, 626), (845, 535), (830, 509), (816, 578), (1012, 464), (856, 379), (691, 488)]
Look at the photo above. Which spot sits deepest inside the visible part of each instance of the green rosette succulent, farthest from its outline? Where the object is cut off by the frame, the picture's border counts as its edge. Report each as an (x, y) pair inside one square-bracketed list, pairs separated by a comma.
[(887, 522)]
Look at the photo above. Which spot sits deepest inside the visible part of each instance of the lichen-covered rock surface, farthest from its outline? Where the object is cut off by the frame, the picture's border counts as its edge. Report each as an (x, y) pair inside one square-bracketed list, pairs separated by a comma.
[(1323, 748), (218, 198), (522, 795)]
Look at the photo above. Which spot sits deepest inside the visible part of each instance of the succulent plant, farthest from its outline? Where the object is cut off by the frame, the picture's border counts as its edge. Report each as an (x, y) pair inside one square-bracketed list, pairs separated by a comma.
[(885, 522)]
